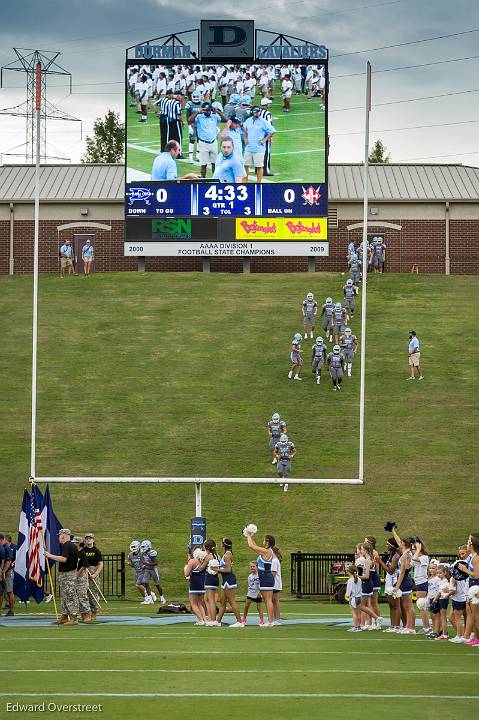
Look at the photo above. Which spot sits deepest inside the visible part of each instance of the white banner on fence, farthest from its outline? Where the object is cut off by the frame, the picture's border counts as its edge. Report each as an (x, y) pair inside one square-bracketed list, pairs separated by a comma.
[(235, 248)]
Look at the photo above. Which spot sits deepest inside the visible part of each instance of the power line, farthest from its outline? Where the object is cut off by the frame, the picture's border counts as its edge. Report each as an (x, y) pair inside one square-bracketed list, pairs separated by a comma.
[(405, 44), (435, 157), (407, 127), (407, 67), (406, 100)]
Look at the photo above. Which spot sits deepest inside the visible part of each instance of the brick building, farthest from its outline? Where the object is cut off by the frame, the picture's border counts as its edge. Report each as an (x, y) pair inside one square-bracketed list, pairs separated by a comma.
[(427, 214)]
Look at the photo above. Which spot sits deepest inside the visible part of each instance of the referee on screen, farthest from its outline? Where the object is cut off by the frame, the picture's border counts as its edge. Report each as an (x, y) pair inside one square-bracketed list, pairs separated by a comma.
[(169, 110)]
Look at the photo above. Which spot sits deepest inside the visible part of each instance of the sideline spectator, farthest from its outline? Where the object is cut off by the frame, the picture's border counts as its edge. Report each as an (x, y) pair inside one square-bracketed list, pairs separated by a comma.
[(66, 259), (87, 257), (6, 575), (414, 356)]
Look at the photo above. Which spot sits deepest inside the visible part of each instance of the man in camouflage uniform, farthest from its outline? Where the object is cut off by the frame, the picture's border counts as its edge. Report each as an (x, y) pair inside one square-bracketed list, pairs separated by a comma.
[(67, 578), (82, 583), (91, 560)]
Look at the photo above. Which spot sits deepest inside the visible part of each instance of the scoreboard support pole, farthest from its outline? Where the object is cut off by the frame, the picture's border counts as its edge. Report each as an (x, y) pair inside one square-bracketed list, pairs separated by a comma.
[(246, 264), (311, 264), (206, 265)]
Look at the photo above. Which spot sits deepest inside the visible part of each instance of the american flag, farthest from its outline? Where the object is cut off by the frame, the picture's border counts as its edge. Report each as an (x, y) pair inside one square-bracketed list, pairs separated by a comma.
[(35, 545)]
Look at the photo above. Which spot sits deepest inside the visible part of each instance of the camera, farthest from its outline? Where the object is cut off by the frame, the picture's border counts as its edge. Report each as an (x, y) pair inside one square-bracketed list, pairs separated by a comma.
[(390, 525)]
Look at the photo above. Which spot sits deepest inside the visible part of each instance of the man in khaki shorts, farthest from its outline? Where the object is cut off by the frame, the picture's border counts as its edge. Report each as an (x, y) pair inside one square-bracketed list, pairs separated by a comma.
[(206, 121), (414, 356), (66, 259), (257, 132)]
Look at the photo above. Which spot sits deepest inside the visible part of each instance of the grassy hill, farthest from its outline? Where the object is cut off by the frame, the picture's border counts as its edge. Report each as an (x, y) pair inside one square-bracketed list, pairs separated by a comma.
[(177, 374)]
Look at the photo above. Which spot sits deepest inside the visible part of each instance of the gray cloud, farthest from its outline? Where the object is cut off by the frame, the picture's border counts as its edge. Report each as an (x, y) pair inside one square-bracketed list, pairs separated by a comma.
[(92, 35)]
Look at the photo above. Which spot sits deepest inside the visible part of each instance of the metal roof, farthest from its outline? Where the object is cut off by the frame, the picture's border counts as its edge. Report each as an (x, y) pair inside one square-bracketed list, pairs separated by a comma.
[(62, 183), (402, 182), (390, 182)]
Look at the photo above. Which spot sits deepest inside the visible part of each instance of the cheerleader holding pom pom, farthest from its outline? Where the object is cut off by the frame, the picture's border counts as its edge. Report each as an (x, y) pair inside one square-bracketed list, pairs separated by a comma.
[(228, 584), (266, 577), (194, 572)]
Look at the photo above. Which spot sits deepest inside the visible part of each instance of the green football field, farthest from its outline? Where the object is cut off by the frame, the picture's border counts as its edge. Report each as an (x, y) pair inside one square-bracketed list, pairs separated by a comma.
[(298, 149), (177, 375), (302, 671)]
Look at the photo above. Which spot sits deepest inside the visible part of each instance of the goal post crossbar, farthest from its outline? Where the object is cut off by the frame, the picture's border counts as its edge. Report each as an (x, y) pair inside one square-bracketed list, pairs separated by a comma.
[(203, 481)]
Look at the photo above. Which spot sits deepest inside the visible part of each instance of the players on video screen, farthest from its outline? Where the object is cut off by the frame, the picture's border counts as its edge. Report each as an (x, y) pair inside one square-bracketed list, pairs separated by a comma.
[(220, 115)]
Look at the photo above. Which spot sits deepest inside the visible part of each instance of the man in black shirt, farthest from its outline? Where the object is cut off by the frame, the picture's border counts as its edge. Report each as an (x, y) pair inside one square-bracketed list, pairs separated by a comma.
[(67, 572), (90, 564)]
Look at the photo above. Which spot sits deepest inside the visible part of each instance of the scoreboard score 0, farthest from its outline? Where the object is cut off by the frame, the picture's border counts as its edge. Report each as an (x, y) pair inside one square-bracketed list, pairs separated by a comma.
[(185, 199)]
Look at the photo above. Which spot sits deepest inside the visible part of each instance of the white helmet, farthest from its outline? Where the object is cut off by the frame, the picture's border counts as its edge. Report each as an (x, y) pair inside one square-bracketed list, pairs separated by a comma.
[(134, 546), (297, 336), (275, 417), (145, 546), (347, 332), (196, 96), (349, 282), (337, 306), (329, 300), (336, 349), (283, 438), (309, 296), (319, 340)]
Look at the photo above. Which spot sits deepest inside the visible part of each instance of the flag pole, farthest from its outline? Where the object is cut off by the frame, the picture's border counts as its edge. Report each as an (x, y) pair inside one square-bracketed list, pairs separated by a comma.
[(38, 93), (52, 587), (365, 272)]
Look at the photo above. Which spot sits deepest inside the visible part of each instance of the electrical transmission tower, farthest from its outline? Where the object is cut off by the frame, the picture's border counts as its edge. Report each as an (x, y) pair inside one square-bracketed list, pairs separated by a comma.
[(25, 62)]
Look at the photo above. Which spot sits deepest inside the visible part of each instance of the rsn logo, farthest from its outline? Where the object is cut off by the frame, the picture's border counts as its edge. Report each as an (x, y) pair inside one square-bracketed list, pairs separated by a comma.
[(139, 194)]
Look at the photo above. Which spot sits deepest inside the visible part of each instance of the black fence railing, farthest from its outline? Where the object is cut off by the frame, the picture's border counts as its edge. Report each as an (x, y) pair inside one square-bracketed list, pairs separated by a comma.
[(111, 580), (314, 573)]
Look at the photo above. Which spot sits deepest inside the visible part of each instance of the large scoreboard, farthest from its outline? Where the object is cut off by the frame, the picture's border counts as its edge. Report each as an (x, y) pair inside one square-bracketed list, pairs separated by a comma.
[(226, 154)]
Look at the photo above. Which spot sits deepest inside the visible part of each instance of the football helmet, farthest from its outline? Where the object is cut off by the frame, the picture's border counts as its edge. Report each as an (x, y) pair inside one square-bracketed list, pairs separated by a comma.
[(196, 96), (245, 100), (347, 332), (275, 417), (235, 99), (283, 438), (134, 546), (336, 349), (349, 282), (329, 301), (337, 306), (309, 296), (145, 546), (319, 340)]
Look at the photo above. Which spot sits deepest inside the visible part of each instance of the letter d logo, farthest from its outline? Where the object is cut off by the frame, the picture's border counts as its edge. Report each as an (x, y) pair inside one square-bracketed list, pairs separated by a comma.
[(232, 39)]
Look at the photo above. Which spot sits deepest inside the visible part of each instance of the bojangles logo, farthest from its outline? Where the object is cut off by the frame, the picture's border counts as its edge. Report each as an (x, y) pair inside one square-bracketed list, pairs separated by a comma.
[(300, 228), (254, 227)]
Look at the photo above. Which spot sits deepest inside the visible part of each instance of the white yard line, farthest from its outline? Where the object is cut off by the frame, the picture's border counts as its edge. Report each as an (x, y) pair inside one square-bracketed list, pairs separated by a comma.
[(259, 670), (370, 696), (231, 652)]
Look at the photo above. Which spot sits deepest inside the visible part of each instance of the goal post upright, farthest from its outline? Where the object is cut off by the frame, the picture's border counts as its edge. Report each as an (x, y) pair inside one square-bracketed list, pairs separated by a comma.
[(364, 273)]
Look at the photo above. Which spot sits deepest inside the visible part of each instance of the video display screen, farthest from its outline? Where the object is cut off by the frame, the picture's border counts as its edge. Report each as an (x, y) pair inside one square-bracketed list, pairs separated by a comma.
[(226, 123)]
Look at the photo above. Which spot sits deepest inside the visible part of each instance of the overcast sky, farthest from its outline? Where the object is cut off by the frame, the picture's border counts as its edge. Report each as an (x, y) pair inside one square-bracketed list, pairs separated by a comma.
[(92, 34)]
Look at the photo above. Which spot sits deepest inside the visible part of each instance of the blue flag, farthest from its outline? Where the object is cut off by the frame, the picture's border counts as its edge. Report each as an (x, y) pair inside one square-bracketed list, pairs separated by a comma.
[(23, 586), (38, 526), (52, 526)]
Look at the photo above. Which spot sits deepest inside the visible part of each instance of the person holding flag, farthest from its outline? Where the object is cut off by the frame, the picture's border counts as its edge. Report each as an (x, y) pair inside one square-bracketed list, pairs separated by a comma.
[(67, 564), (38, 529)]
